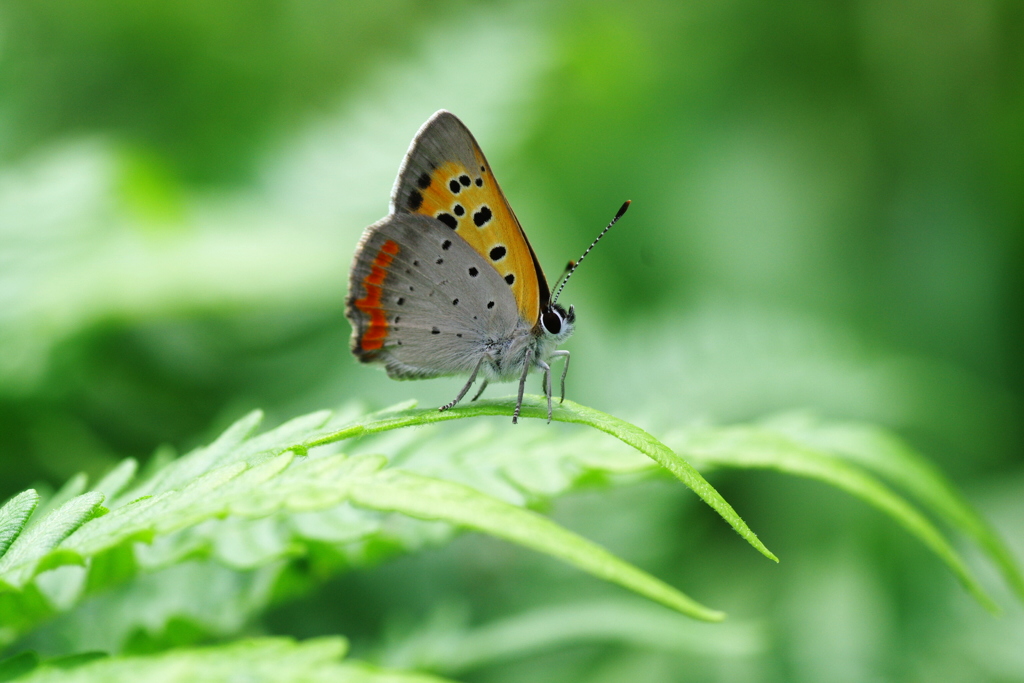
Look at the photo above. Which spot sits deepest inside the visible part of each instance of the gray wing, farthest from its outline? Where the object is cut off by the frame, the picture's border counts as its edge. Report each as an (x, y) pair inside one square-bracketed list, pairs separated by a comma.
[(442, 138), (422, 301)]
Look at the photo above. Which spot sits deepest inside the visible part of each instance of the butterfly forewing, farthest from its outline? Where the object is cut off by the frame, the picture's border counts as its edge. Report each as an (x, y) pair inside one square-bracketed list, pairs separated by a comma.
[(423, 301), (445, 176)]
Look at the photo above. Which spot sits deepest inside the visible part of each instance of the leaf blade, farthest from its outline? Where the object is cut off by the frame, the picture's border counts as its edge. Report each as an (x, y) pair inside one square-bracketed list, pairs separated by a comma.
[(14, 516), (257, 660), (31, 548), (568, 411), (894, 460), (754, 447), (435, 499)]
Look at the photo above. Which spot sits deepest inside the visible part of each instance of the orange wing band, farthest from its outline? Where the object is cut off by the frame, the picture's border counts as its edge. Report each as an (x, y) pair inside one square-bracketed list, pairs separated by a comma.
[(377, 330), (470, 202)]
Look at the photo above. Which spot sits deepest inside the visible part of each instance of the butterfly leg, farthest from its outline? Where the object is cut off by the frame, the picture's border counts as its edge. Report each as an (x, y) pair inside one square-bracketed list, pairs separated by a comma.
[(472, 378), (547, 384), (565, 370), (522, 385), (482, 387)]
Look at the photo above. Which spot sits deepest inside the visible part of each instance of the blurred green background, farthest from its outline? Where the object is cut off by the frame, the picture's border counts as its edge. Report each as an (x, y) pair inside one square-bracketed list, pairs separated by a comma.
[(828, 215)]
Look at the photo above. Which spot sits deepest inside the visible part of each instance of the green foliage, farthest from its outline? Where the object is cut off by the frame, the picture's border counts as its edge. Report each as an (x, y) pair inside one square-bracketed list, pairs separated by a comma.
[(827, 202), (256, 660), (254, 477), (575, 413), (35, 549), (14, 515), (805, 449), (249, 500), (446, 643)]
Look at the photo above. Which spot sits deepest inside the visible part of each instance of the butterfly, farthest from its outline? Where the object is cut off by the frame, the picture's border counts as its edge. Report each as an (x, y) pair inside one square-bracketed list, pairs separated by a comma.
[(447, 283)]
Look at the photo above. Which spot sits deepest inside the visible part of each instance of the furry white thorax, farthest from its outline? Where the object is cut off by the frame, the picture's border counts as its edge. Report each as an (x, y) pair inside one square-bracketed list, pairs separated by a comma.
[(508, 354)]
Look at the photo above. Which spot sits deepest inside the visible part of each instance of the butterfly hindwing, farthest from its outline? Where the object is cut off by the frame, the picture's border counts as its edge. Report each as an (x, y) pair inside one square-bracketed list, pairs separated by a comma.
[(445, 176), (423, 301)]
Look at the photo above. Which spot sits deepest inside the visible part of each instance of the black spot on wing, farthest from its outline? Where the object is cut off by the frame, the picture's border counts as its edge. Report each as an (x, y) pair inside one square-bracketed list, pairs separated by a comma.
[(498, 253), (458, 210), (464, 179), (473, 272), (479, 182), (435, 331), (453, 185), (448, 219), (423, 181), (446, 244), (482, 217), (490, 304), (510, 278), (415, 200)]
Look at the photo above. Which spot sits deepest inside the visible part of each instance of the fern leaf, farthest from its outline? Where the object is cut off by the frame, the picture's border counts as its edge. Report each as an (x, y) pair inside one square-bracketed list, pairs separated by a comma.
[(14, 515), (259, 660)]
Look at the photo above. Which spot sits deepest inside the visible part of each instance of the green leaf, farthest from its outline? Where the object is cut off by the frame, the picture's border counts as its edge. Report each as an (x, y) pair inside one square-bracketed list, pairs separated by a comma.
[(888, 456), (117, 479), (75, 660), (18, 665), (227, 515), (29, 553), (247, 501), (435, 499), (179, 605), (447, 643), (526, 465), (757, 447), (257, 660), (179, 473), (568, 411), (75, 486), (14, 515)]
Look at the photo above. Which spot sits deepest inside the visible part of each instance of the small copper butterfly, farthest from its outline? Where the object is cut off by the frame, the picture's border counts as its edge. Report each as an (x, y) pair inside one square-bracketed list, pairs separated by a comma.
[(447, 283)]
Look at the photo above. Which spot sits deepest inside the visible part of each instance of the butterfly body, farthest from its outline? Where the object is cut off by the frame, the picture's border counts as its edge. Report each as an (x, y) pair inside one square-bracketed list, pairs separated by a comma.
[(447, 283)]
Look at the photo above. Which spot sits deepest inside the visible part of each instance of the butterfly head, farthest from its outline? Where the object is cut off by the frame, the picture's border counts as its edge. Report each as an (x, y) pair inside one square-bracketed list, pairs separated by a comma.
[(557, 324)]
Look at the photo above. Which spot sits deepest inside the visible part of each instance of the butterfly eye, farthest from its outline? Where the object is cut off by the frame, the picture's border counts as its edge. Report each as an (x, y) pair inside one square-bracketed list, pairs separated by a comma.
[(552, 321)]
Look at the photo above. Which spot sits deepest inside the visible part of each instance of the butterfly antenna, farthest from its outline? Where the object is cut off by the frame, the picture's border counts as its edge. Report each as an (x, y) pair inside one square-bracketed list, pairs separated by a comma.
[(574, 266), (565, 271)]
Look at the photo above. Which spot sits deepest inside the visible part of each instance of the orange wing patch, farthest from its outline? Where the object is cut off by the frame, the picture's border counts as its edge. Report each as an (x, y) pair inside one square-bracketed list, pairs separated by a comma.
[(470, 202), (377, 330)]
